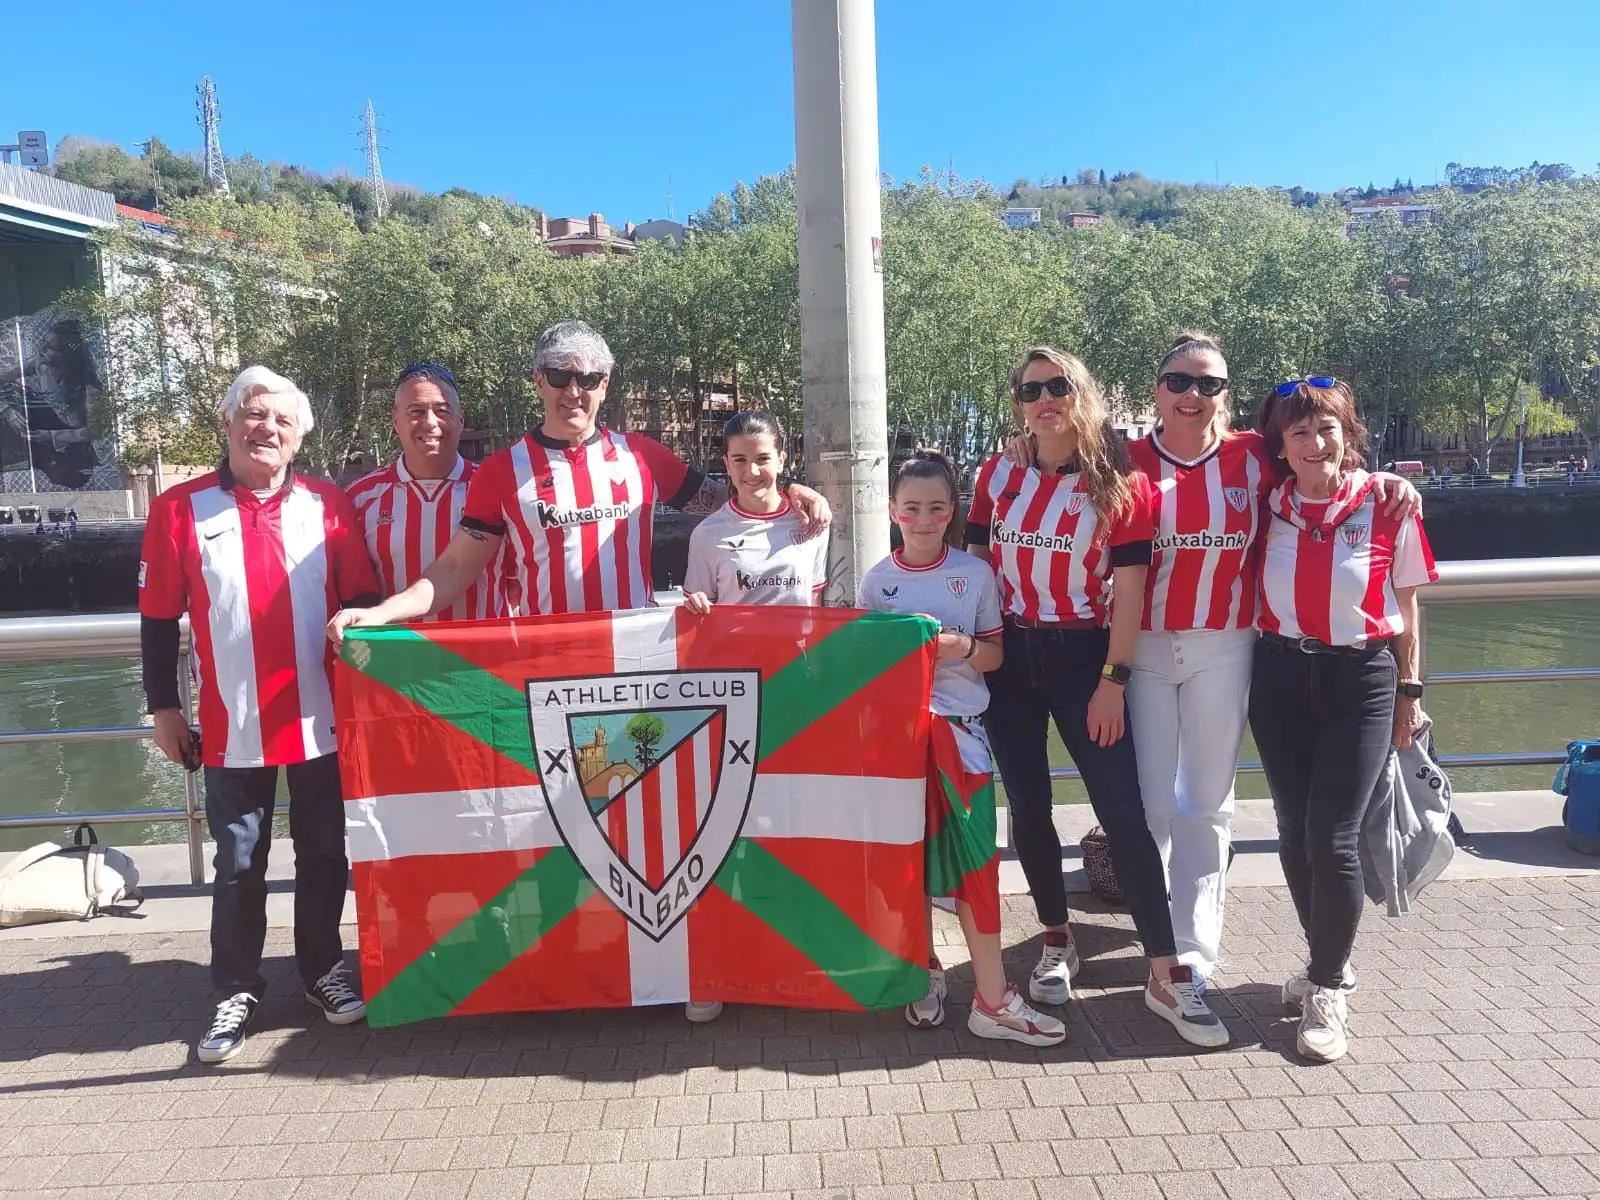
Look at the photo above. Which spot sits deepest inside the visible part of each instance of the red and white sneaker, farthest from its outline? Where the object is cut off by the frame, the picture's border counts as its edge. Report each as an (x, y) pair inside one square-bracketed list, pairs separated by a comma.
[(1015, 1021), (1051, 981), (1181, 1004), (928, 1013)]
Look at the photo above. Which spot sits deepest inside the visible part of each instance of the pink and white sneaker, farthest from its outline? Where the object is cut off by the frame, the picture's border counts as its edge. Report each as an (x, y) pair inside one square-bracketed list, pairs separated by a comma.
[(1015, 1021)]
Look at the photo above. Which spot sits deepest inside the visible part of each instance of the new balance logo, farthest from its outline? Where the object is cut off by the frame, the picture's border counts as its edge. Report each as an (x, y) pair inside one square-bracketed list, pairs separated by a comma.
[(551, 517)]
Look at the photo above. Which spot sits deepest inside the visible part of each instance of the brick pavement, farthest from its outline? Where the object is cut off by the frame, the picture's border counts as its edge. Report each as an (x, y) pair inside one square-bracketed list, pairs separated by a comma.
[(1475, 1072)]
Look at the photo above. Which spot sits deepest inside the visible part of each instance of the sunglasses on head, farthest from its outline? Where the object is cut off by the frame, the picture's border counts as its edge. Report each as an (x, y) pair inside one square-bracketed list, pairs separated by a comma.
[(428, 370), (1179, 382), (1289, 386), (1033, 389), (559, 377)]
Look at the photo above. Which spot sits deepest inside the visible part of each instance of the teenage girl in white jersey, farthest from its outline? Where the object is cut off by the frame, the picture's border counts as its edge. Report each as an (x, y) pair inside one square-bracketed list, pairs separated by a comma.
[(752, 550), (930, 577)]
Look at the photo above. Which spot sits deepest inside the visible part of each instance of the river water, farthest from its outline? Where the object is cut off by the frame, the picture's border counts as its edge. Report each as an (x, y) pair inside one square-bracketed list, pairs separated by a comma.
[(1503, 717)]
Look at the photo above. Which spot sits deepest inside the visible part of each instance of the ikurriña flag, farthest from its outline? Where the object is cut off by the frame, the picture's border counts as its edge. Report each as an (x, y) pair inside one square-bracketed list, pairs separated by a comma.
[(643, 807)]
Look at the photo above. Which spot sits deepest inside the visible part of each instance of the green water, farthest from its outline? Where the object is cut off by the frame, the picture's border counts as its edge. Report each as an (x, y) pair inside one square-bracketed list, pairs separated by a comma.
[(1503, 717)]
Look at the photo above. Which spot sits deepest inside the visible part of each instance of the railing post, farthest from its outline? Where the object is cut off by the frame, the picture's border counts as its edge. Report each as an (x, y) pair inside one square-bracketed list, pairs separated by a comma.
[(191, 780)]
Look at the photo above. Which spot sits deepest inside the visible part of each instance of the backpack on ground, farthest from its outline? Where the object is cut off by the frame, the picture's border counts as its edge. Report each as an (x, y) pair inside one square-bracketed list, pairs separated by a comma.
[(52, 882)]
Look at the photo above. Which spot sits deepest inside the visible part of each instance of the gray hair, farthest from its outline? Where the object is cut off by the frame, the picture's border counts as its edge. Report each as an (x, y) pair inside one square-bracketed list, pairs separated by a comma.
[(573, 344), (439, 378), (261, 379)]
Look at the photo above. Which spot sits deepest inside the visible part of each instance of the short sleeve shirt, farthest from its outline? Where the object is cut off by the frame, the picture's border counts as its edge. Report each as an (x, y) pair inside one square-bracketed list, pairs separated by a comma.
[(736, 557), (959, 592)]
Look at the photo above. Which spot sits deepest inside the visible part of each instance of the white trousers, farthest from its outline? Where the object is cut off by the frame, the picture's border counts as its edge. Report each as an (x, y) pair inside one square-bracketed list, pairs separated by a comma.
[(1187, 702)]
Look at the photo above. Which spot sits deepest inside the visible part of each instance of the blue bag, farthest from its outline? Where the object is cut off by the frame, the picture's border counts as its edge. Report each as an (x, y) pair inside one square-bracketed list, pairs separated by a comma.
[(1579, 781)]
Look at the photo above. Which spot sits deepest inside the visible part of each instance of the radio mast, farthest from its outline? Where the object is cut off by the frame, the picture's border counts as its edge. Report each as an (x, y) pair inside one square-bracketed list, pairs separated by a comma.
[(369, 131), (208, 116)]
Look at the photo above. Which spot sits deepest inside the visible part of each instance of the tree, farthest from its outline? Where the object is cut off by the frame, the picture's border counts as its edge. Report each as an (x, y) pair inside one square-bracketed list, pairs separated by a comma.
[(645, 730)]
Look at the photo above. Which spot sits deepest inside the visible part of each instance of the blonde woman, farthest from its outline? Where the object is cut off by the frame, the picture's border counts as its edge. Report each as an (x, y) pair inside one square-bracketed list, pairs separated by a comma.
[(1070, 540)]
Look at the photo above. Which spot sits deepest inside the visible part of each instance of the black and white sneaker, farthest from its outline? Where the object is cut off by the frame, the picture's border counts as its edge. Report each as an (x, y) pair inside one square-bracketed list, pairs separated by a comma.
[(337, 997), (225, 1038)]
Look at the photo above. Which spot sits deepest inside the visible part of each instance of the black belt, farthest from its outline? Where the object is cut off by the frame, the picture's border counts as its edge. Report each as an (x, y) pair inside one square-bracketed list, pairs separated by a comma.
[(1310, 645)]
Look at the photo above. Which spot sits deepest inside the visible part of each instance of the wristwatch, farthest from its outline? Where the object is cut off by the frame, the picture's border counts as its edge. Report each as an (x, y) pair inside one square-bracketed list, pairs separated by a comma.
[(1410, 689), (1117, 672)]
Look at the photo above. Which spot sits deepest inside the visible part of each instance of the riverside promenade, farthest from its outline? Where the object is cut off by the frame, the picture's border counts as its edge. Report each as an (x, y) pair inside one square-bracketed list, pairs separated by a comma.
[(1474, 1070)]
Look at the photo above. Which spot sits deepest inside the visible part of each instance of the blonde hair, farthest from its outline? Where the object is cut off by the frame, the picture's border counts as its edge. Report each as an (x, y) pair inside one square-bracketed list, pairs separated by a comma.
[(1102, 454), (1193, 341)]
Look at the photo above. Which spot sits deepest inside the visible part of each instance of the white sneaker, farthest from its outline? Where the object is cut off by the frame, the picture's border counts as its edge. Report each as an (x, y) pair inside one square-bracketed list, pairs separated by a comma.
[(701, 1011), (1300, 986), (1324, 1026), (1182, 1006), (1016, 1021), (928, 1013), (1051, 981)]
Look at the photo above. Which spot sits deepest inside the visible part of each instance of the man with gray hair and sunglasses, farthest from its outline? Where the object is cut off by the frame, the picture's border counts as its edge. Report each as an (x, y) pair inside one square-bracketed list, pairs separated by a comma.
[(409, 510), (571, 503)]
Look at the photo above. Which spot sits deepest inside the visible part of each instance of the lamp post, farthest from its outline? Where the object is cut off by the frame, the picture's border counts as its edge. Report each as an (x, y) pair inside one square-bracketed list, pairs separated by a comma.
[(1518, 478)]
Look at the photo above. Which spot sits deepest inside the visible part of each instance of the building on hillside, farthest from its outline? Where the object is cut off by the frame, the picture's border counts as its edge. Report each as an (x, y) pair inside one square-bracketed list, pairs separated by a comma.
[(1081, 220), (660, 231), (575, 237), (1407, 210), (1021, 218)]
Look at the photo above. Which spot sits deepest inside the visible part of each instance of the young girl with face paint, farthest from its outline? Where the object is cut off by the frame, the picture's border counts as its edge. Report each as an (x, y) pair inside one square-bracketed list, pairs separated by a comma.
[(930, 577)]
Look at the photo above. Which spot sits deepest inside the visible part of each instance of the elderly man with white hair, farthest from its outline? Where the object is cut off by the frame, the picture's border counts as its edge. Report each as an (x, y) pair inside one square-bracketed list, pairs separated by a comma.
[(258, 558)]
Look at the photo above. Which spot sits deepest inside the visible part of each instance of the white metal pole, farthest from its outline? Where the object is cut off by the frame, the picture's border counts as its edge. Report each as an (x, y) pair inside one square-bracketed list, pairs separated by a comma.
[(841, 279), (27, 424)]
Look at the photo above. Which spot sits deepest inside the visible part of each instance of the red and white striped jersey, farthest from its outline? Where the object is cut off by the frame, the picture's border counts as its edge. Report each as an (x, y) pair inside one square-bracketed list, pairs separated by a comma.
[(259, 579), (1206, 515), (577, 520), (1330, 568), (1040, 529), (407, 522), (738, 557)]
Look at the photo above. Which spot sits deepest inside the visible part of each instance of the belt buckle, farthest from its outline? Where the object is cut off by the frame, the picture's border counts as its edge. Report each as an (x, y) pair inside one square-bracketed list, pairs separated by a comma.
[(1308, 645)]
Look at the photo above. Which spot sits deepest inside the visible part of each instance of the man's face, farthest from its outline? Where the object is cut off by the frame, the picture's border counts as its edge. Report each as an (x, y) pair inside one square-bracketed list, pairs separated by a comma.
[(427, 421), (264, 435), (572, 398)]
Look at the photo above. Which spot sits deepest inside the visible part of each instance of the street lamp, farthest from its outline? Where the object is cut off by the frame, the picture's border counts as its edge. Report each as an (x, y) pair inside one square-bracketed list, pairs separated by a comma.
[(1518, 478)]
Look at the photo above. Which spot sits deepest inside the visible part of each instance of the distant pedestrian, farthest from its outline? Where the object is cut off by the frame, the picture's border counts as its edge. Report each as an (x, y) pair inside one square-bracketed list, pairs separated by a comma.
[(1445, 476), (259, 558)]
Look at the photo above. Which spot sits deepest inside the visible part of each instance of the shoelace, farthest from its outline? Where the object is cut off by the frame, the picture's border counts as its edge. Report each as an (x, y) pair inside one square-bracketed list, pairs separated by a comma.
[(1326, 1008), (230, 1016), (334, 988), (1054, 956), (1189, 1000)]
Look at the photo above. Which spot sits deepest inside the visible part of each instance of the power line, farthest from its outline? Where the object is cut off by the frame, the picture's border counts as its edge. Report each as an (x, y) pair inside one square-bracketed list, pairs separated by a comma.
[(209, 116)]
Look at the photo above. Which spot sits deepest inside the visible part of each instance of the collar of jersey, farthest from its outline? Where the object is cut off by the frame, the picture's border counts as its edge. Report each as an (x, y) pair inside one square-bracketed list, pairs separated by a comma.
[(230, 484), (1186, 463), (933, 566), (550, 443), (783, 510), (407, 477)]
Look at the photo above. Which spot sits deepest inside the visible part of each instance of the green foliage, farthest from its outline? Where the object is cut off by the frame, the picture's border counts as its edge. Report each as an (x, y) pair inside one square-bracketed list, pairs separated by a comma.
[(645, 731)]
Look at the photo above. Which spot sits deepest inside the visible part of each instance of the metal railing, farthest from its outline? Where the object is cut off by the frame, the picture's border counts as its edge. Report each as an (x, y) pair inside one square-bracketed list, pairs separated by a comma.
[(116, 635), (100, 635)]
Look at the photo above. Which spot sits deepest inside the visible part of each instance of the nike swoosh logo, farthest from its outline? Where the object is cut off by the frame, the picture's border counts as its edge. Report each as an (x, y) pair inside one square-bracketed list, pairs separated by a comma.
[(211, 537)]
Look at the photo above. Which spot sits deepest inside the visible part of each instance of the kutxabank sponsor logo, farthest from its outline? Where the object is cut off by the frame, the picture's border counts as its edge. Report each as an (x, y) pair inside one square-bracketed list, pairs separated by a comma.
[(648, 776), (552, 517), (1029, 539), (1203, 540), (776, 579)]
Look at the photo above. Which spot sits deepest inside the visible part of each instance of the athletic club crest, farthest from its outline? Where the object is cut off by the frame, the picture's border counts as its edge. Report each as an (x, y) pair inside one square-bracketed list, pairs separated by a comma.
[(1074, 504), (1352, 535), (1237, 498), (648, 776), (957, 585)]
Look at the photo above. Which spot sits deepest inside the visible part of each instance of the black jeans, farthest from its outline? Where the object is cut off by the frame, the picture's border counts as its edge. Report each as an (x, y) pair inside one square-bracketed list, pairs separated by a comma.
[(1323, 724), (239, 804), (1050, 674)]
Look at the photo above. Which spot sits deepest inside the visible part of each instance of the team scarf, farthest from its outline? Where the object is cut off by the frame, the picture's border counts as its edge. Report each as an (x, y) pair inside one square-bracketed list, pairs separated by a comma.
[(1320, 518), (646, 807)]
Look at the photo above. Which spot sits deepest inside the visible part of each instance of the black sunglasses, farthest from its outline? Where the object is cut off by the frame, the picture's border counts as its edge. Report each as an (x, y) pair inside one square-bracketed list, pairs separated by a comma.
[(559, 377), (1033, 389), (1179, 382), (428, 370)]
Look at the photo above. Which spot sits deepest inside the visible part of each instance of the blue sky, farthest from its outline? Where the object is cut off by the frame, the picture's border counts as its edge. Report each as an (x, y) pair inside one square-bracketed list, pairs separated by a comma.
[(601, 105)]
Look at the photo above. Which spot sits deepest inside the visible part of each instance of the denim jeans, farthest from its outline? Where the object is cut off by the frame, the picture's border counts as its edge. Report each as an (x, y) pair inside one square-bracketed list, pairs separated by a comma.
[(1323, 724), (239, 804), (1050, 674)]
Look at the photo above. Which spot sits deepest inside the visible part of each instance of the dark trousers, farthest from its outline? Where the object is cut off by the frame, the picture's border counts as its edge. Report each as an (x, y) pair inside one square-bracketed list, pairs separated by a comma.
[(1050, 674), (1323, 724), (239, 804)]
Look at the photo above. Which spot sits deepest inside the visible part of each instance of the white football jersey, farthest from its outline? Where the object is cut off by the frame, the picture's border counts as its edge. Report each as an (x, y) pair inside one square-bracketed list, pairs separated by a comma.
[(737, 557)]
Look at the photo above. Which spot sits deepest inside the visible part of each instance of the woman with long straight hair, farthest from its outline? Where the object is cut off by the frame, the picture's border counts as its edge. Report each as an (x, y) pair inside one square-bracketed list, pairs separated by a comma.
[(1070, 540)]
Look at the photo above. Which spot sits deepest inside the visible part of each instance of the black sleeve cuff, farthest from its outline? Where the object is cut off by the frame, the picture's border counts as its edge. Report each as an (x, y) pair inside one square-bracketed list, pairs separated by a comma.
[(158, 648), (364, 600), (498, 529), (1132, 554), (687, 491), (977, 535)]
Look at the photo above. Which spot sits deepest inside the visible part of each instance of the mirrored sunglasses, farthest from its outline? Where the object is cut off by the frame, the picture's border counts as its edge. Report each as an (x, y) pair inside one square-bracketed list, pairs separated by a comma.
[(1289, 386)]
